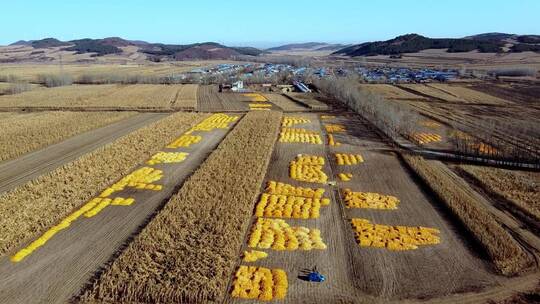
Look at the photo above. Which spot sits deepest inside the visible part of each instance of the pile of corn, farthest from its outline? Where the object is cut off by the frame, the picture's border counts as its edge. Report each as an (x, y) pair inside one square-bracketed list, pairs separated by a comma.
[(483, 148), (425, 138), (216, 121), (333, 128), (184, 141), (286, 189), (324, 117), (278, 235), (140, 179), (167, 158), (345, 177), (288, 206), (393, 237), (260, 105), (290, 135), (259, 283), (348, 159), (255, 97), (369, 200), (430, 124), (332, 141), (254, 255), (291, 121), (308, 168)]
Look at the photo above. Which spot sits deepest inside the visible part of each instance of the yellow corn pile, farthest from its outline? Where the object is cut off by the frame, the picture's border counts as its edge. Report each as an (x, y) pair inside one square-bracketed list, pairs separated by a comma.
[(369, 200), (345, 177), (290, 135), (274, 187), (324, 117), (333, 128), (288, 206), (393, 237), (216, 121), (167, 158), (260, 105), (256, 97), (259, 283), (140, 179), (425, 138), (483, 148), (291, 121), (184, 141), (348, 159), (278, 235), (254, 255), (308, 168), (332, 141)]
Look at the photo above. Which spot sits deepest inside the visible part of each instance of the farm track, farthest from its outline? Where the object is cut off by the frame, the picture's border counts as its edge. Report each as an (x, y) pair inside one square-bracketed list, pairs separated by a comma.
[(31, 165), (60, 269)]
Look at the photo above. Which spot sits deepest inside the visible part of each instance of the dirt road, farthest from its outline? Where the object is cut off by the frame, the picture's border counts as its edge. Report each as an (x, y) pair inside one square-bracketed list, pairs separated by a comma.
[(57, 271), (29, 166)]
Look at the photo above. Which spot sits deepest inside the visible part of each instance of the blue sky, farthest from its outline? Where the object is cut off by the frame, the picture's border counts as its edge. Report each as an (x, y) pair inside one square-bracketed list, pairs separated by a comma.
[(263, 23)]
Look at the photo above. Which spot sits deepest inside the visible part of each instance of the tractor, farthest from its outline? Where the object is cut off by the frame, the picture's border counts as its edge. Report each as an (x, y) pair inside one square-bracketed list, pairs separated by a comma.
[(315, 276)]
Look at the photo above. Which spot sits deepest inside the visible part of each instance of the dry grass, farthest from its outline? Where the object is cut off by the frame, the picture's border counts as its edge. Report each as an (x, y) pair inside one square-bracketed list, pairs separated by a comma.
[(23, 133), (187, 253), (521, 188), (466, 94), (307, 100), (284, 103), (40, 203), (508, 257), (432, 91), (113, 96)]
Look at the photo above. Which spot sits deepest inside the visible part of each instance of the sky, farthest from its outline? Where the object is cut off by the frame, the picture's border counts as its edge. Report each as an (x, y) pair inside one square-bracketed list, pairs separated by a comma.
[(262, 23)]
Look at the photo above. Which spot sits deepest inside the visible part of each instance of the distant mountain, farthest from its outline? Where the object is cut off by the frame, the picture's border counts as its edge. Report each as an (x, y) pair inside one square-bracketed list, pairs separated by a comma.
[(153, 51), (412, 43), (307, 46)]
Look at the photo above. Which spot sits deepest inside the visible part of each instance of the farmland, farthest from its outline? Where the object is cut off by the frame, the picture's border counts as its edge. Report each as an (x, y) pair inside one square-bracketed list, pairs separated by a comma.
[(179, 193)]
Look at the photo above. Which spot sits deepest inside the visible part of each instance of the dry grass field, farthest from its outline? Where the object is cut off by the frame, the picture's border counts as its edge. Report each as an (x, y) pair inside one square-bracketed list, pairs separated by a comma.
[(286, 104), (423, 89), (210, 100), (22, 133), (50, 197), (144, 96), (520, 188), (468, 95), (307, 99), (389, 91), (196, 237)]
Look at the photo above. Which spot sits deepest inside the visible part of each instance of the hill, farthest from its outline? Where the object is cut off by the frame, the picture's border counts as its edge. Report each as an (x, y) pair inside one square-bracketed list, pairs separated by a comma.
[(412, 43), (143, 49)]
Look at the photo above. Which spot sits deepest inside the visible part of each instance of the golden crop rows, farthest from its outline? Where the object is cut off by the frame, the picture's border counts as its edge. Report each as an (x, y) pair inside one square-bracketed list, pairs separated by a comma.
[(167, 158), (256, 97), (291, 121), (308, 168), (425, 138), (278, 235), (369, 200), (393, 237), (286, 189), (254, 255), (260, 105), (260, 283), (345, 176), (348, 159), (332, 141), (184, 141), (483, 148), (216, 121), (290, 135), (333, 128)]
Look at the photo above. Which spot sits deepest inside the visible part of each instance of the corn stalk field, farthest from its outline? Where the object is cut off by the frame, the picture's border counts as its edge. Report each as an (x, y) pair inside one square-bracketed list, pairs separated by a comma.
[(36, 205), (198, 233), (23, 133)]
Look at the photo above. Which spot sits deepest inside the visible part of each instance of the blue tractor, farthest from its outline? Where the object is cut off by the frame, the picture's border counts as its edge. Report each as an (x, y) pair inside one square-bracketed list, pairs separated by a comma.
[(315, 276)]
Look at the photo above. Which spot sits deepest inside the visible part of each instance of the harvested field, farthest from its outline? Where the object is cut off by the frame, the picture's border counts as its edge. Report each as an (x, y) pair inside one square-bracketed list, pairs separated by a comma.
[(467, 94), (389, 91), (107, 96), (505, 252), (210, 100), (432, 92), (285, 103), (520, 188), (308, 100), (200, 230), (45, 200), (23, 133)]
